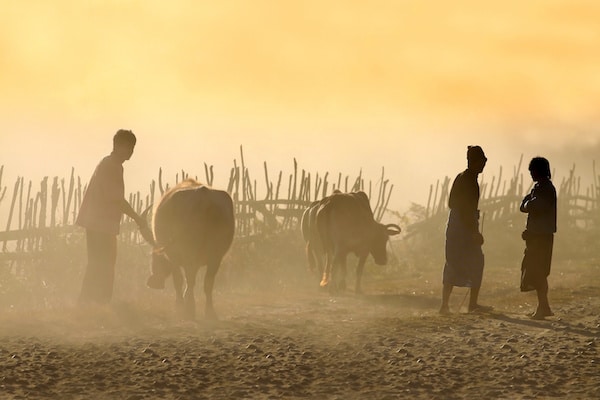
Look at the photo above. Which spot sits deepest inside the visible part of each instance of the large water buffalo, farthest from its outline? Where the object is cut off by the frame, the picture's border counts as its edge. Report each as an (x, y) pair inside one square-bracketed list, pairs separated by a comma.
[(345, 224), (193, 225)]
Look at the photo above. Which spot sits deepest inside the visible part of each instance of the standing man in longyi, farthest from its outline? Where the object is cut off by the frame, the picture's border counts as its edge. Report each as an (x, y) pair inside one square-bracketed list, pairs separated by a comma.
[(464, 257), (100, 214)]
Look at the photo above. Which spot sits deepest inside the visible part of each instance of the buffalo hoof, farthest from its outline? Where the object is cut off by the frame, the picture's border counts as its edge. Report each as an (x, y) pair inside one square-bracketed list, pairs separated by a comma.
[(154, 282)]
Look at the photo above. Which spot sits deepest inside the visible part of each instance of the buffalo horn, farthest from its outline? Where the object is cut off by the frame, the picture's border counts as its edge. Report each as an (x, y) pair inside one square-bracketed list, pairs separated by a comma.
[(145, 229), (144, 214), (393, 229)]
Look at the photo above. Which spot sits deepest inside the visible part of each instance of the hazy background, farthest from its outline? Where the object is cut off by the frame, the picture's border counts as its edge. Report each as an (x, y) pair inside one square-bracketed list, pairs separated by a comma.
[(339, 85)]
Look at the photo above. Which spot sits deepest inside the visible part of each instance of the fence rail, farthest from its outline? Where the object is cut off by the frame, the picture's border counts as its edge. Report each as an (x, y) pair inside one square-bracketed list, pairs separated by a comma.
[(40, 216)]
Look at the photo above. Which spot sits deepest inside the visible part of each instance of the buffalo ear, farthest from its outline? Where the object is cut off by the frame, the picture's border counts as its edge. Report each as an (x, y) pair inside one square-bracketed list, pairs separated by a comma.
[(393, 229)]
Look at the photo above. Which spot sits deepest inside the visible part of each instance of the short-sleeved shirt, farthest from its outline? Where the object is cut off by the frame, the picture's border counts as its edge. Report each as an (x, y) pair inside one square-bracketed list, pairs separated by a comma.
[(101, 207), (464, 199)]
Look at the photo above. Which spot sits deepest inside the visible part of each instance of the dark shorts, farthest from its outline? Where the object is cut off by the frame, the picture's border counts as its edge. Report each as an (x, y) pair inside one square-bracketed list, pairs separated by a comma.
[(535, 267)]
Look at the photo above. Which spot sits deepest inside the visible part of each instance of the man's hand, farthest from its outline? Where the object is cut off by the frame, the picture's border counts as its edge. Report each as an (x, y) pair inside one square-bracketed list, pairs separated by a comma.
[(526, 200), (478, 238)]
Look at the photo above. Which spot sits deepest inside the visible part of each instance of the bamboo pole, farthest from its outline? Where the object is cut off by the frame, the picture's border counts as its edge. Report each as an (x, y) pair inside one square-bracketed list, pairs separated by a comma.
[(595, 183), (444, 195), (69, 197), (295, 178), (435, 197), (318, 183), (76, 200), (43, 202), (54, 200), (231, 182), (381, 188), (428, 201), (12, 207), (308, 187), (267, 182), (302, 183), (34, 217), (160, 182), (325, 184), (27, 202), (518, 170), (207, 175), (383, 209), (357, 183), (2, 189), (286, 219)]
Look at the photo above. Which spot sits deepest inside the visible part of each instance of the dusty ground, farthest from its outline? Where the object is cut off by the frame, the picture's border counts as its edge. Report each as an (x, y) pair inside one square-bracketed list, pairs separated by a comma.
[(303, 343)]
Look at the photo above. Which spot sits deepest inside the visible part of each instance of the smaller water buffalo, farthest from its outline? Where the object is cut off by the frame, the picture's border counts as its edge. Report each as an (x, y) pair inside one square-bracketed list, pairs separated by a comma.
[(345, 224), (193, 225)]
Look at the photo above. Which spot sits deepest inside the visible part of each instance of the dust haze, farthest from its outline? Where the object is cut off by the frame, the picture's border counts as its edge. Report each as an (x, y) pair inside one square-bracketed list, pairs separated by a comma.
[(339, 87)]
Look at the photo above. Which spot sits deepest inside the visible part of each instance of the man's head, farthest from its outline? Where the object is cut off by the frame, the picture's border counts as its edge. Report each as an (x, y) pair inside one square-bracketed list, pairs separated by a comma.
[(123, 144), (539, 167), (476, 158)]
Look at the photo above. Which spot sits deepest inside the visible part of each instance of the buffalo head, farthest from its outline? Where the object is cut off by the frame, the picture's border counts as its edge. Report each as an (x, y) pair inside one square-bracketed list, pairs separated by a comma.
[(379, 241)]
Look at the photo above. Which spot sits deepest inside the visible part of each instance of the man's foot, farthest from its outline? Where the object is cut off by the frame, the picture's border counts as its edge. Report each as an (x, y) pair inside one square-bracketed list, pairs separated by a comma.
[(445, 310), (540, 314), (478, 308)]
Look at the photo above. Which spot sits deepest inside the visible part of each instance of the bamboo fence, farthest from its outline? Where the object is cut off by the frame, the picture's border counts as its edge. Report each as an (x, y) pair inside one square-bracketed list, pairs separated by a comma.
[(578, 206), (40, 215)]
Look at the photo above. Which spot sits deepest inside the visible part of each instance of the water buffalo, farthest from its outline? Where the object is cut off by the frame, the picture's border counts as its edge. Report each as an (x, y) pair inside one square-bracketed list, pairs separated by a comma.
[(193, 225), (345, 224)]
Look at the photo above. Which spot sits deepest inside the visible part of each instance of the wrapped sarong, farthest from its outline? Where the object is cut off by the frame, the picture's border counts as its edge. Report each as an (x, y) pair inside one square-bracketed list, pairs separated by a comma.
[(464, 257), (535, 267)]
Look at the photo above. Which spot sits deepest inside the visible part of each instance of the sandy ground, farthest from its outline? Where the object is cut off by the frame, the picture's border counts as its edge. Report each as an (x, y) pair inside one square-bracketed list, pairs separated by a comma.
[(304, 343)]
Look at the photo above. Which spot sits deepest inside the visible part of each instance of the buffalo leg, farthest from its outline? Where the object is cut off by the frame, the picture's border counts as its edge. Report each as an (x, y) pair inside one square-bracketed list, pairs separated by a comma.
[(189, 303), (339, 271), (209, 282), (178, 285), (310, 256), (359, 271), (327, 270)]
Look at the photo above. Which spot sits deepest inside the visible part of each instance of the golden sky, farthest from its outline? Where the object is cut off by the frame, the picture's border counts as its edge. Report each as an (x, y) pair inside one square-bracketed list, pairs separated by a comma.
[(326, 68), (505, 59)]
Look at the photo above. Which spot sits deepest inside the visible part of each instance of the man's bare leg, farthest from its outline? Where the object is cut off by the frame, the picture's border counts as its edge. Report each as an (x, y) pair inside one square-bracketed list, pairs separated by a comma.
[(473, 305), (543, 308), (446, 291)]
